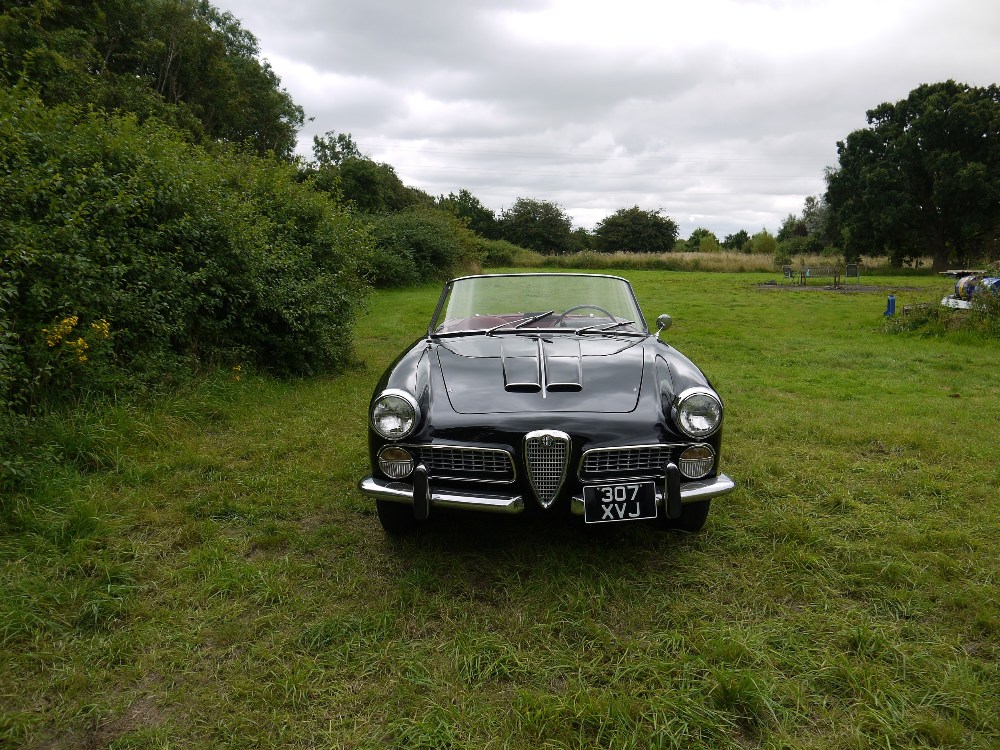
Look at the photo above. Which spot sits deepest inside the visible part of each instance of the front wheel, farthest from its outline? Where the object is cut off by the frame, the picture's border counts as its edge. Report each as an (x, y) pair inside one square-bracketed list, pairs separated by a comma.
[(692, 520), (396, 518)]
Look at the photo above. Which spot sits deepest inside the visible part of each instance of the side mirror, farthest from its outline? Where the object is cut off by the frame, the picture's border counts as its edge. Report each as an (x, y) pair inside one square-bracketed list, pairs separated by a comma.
[(663, 322)]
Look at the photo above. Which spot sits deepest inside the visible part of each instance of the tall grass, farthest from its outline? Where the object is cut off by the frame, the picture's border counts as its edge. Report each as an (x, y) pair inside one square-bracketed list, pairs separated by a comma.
[(724, 262)]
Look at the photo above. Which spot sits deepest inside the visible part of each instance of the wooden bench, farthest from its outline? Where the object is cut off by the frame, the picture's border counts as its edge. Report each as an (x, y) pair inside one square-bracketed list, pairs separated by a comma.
[(820, 272)]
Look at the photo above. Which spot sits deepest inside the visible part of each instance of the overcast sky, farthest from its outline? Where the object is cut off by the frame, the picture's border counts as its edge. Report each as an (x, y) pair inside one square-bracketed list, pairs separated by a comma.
[(722, 113)]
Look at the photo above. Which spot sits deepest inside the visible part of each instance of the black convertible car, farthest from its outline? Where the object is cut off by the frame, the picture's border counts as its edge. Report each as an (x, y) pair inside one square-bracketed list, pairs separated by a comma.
[(544, 393)]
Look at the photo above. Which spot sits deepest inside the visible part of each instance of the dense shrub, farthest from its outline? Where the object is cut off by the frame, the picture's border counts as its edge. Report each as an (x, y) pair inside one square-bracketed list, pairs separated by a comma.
[(420, 244), (128, 252), (501, 254)]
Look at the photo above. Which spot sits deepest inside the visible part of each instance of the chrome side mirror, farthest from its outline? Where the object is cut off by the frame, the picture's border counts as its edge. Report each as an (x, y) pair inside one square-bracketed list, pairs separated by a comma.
[(663, 322)]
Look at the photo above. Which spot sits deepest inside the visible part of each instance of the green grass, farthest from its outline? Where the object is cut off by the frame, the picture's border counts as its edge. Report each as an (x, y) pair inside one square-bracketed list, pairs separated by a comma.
[(203, 573)]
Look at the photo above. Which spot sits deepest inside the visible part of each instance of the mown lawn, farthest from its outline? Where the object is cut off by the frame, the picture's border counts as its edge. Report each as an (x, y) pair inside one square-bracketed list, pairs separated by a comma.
[(206, 575)]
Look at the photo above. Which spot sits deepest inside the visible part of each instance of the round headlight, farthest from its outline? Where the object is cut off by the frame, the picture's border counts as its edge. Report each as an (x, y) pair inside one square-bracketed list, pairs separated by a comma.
[(395, 414), (698, 413)]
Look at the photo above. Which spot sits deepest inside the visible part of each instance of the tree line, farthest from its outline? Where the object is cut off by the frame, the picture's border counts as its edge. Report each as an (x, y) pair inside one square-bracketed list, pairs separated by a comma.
[(922, 180), (533, 224)]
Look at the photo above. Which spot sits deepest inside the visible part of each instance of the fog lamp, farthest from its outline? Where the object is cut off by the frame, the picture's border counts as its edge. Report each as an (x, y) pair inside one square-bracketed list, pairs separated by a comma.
[(396, 463), (696, 461)]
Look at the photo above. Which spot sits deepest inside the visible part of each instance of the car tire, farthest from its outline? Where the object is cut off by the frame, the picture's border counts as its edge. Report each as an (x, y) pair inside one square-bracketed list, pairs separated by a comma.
[(693, 517), (396, 518)]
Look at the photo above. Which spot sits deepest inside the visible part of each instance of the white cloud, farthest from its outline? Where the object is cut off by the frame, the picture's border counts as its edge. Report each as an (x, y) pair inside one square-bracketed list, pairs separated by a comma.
[(723, 113)]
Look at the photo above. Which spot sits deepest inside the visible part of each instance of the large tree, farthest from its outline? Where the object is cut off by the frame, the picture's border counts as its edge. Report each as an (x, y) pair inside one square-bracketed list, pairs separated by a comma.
[(636, 231), (923, 178), (738, 241), (182, 61), (470, 209), (537, 225)]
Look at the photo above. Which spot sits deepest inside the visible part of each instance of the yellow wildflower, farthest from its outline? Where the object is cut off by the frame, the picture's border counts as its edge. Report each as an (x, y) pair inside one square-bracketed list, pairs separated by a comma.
[(54, 335), (79, 347), (102, 328)]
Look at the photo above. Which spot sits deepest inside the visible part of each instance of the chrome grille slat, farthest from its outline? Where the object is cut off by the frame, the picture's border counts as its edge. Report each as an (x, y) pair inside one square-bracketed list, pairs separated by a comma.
[(462, 461), (546, 453), (649, 459)]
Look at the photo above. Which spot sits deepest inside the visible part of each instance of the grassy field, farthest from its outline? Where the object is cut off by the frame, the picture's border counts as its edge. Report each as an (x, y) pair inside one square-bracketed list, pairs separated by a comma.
[(206, 575)]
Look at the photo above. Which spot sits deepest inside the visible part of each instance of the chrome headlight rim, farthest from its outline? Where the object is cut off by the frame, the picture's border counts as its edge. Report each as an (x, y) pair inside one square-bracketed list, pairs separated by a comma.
[(684, 399), (408, 399)]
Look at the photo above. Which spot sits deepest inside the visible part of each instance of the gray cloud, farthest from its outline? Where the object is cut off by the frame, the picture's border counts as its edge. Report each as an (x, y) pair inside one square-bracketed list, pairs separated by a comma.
[(723, 113)]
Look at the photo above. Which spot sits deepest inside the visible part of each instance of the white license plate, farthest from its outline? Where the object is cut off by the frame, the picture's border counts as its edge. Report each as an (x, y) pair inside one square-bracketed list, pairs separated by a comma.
[(621, 501)]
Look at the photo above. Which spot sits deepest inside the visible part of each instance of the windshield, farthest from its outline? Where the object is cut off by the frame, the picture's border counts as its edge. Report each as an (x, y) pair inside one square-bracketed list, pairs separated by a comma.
[(521, 302)]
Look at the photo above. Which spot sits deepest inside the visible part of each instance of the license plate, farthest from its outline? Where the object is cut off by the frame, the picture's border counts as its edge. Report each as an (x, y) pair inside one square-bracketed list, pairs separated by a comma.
[(626, 501)]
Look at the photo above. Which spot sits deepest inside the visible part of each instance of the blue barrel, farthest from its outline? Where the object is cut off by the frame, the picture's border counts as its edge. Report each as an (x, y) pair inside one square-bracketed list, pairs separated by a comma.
[(965, 287)]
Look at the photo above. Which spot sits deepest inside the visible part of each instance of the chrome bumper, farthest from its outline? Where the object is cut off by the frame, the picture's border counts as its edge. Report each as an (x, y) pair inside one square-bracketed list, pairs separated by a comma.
[(401, 492), (691, 492)]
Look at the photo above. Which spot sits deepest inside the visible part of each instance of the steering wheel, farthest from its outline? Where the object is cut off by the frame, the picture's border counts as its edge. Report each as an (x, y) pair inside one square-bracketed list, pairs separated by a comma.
[(607, 314)]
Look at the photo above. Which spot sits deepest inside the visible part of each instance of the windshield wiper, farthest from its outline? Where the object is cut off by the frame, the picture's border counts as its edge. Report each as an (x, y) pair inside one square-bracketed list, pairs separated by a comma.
[(603, 329), (519, 323)]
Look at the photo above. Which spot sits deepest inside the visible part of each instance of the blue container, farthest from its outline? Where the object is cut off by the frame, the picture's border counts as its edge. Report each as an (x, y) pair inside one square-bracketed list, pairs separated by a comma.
[(890, 306)]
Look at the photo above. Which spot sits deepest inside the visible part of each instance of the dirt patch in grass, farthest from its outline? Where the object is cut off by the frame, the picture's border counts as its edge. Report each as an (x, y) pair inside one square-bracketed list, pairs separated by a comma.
[(775, 286)]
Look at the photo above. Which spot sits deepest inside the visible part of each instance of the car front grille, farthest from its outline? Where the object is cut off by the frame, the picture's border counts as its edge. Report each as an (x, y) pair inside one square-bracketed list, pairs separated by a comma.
[(468, 463), (636, 461), (546, 453)]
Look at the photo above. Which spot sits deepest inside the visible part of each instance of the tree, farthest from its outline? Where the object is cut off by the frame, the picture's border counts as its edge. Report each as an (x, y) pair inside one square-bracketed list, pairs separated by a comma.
[(792, 226), (581, 241), (332, 148), (181, 61), (371, 186), (703, 241), (634, 230), (738, 241), (537, 225), (923, 178), (815, 216), (763, 243), (468, 207)]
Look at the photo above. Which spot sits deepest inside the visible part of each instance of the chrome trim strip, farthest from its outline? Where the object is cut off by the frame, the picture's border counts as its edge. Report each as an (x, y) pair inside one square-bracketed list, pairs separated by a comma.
[(542, 375), (691, 492), (401, 492)]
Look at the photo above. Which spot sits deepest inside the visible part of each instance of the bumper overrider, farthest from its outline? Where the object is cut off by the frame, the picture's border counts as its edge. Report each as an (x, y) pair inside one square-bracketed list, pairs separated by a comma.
[(671, 493)]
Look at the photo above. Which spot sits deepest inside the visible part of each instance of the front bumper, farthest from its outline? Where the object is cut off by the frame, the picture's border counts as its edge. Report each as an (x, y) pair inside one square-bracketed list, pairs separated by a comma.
[(402, 492)]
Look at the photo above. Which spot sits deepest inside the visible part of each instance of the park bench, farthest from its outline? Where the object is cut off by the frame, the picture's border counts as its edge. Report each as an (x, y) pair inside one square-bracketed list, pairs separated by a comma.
[(820, 272)]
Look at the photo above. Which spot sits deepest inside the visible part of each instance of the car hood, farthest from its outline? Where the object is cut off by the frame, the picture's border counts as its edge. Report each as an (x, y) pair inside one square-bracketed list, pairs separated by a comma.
[(553, 373)]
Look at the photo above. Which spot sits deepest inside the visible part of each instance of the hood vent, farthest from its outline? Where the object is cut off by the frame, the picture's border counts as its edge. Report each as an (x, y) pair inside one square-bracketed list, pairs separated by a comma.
[(537, 364), (546, 453)]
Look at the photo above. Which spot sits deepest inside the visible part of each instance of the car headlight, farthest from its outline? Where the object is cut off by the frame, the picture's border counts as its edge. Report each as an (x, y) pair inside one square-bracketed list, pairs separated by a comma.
[(697, 412), (697, 461), (396, 463), (395, 414)]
